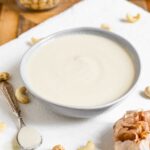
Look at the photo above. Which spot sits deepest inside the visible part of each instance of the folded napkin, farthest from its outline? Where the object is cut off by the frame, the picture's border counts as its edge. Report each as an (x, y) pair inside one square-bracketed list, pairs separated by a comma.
[(69, 132)]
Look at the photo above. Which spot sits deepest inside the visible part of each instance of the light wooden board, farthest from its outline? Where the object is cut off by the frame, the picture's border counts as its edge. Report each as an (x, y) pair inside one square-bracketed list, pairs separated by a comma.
[(142, 3), (14, 21)]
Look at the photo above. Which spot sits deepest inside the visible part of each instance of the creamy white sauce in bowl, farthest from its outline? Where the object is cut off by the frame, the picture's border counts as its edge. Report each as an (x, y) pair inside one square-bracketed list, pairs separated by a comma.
[(81, 68)]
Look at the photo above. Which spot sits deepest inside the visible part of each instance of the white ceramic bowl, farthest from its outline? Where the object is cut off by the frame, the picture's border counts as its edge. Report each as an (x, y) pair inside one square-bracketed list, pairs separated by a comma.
[(79, 111)]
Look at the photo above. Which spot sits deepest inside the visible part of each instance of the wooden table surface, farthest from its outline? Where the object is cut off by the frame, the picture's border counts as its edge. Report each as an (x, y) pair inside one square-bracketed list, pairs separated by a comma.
[(143, 3), (14, 21)]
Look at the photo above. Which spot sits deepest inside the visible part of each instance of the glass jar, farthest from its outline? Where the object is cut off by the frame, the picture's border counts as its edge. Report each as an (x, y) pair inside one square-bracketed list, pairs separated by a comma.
[(37, 5)]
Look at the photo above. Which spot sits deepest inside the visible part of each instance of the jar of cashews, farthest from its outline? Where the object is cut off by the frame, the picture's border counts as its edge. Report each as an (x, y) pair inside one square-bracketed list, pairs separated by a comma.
[(37, 5)]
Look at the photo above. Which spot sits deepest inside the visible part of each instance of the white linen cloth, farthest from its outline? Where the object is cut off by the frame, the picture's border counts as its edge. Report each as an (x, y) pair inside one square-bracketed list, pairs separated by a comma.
[(57, 129)]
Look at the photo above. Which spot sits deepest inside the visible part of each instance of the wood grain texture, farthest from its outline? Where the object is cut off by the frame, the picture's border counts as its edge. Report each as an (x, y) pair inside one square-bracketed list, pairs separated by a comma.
[(24, 24), (8, 24), (148, 4), (141, 3), (14, 21)]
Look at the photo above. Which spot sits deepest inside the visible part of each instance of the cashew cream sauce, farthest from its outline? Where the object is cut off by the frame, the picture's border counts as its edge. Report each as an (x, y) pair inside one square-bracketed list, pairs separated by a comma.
[(80, 70)]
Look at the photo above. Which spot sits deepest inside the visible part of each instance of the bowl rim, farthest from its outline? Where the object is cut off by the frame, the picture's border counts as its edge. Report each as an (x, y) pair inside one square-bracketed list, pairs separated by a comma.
[(112, 36)]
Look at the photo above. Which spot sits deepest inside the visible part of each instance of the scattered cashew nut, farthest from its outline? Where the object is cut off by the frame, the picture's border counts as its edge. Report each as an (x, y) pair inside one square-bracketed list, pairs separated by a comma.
[(4, 76), (34, 41), (2, 126), (21, 95), (89, 146), (58, 147), (147, 91), (105, 27), (133, 19)]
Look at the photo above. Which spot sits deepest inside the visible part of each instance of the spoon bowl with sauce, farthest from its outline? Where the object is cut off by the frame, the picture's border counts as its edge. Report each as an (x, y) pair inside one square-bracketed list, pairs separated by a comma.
[(27, 137)]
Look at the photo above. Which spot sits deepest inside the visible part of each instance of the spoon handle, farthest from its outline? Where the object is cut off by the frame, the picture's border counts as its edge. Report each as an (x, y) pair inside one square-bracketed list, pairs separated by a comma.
[(7, 90)]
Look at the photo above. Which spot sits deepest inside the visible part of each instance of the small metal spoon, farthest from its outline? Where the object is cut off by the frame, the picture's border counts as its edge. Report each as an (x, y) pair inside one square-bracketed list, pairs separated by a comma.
[(7, 90)]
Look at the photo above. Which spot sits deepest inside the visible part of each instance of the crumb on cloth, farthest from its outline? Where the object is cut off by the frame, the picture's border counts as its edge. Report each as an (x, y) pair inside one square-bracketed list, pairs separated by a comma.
[(89, 146), (33, 41), (132, 19), (105, 27), (2, 126)]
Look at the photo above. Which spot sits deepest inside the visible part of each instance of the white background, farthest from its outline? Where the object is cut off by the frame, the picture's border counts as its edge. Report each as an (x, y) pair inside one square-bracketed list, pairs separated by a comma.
[(75, 132)]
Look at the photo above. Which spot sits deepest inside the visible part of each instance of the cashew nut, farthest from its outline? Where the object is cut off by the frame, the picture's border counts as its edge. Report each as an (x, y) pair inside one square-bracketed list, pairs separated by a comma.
[(105, 27), (21, 95), (132, 19), (4, 76), (58, 147), (147, 91), (89, 146), (2, 126), (34, 41), (38, 4)]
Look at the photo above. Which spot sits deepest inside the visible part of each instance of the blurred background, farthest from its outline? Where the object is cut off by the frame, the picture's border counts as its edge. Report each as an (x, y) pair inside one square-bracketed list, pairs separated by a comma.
[(18, 16)]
